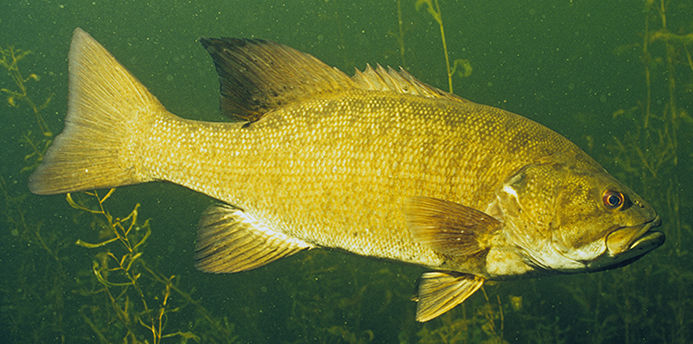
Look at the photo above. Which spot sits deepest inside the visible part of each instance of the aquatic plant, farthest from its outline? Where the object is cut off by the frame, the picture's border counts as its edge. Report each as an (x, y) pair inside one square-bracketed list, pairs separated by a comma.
[(39, 274), (465, 67), (649, 155), (17, 94), (9, 60), (121, 272), (484, 325), (50, 292), (121, 297)]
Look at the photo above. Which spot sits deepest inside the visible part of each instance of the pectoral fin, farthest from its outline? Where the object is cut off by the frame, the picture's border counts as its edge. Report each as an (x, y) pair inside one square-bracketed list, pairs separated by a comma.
[(231, 240), (448, 227), (439, 292)]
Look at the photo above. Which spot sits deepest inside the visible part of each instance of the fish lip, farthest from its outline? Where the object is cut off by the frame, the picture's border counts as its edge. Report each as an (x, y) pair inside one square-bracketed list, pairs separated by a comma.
[(645, 240), (649, 239)]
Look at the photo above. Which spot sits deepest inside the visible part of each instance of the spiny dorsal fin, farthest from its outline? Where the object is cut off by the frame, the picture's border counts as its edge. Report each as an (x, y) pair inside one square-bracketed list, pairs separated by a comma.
[(257, 76), (439, 292), (380, 79), (448, 227), (231, 241)]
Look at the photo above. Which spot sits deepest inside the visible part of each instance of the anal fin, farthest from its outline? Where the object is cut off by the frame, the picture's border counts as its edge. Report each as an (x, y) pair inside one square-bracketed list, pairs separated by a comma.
[(439, 292), (231, 240)]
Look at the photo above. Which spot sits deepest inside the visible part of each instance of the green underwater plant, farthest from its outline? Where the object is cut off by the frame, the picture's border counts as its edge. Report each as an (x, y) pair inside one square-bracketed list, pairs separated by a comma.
[(109, 287), (9, 60), (462, 67), (17, 94), (41, 269), (485, 325), (120, 296), (650, 153), (121, 271)]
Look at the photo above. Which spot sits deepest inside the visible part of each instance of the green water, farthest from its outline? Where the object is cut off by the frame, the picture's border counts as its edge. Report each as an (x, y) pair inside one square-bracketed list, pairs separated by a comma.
[(570, 65)]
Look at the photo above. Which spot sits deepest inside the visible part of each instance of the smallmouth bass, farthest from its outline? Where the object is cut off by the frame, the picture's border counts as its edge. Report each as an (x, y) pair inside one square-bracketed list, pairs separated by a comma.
[(378, 164)]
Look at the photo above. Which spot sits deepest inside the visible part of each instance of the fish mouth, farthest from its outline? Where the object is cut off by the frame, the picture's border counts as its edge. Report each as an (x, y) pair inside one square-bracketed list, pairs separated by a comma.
[(650, 239), (638, 238), (629, 244)]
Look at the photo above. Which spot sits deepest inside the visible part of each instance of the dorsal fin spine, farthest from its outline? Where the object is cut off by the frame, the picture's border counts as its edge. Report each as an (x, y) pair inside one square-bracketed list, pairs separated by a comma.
[(257, 76)]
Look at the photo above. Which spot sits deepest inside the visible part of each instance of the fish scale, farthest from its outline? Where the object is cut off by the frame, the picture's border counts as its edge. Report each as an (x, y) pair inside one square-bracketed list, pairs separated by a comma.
[(324, 170), (378, 164)]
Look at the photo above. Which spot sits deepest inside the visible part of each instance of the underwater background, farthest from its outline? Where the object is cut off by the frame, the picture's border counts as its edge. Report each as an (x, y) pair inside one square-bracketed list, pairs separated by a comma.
[(615, 77)]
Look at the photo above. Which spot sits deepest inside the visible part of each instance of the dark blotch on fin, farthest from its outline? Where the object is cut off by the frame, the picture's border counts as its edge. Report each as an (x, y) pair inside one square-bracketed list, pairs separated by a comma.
[(257, 76)]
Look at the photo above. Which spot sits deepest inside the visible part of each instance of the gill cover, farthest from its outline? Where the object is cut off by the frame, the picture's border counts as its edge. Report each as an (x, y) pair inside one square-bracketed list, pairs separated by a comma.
[(532, 202)]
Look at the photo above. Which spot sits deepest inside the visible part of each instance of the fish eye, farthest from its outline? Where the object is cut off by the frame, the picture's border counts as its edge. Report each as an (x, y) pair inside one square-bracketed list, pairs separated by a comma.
[(613, 200)]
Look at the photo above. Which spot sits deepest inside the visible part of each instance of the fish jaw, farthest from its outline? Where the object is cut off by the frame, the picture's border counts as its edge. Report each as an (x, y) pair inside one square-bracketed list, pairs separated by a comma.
[(620, 247), (628, 238), (627, 244)]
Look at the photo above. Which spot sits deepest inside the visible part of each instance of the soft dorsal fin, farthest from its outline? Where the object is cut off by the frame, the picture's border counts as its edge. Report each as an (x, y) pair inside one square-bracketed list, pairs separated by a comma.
[(450, 228), (381, 79), (256, 76), (231, 240), (439, 292)]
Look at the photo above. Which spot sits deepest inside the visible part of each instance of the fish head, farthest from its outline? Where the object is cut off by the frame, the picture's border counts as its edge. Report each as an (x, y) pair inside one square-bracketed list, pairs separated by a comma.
[(575, 218)]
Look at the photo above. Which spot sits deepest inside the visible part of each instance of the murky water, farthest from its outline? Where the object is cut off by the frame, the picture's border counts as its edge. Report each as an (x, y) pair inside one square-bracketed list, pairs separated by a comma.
[(578, 67)]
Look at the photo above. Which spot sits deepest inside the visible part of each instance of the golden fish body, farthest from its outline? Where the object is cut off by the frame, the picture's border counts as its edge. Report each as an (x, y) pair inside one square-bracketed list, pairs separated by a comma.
[(378, 164), (336, 171)]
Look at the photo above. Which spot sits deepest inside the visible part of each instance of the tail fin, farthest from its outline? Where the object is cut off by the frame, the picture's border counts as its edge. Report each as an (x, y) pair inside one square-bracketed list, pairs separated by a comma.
[(108, 109)]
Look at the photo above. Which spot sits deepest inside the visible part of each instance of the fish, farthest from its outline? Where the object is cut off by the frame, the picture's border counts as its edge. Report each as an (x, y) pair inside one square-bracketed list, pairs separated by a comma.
[(377, 164)]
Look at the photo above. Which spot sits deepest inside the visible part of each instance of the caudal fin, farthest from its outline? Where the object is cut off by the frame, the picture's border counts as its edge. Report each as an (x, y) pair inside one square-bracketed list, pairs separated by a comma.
[(108, 109)]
